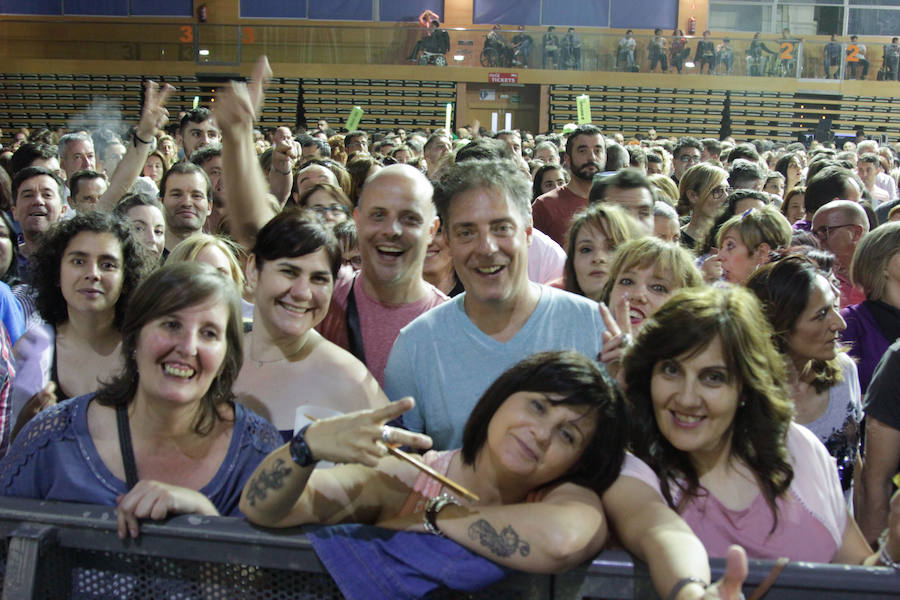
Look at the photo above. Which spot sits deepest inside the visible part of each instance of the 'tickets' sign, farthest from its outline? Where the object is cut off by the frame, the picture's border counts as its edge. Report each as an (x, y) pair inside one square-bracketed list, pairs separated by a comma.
[(503, 77)]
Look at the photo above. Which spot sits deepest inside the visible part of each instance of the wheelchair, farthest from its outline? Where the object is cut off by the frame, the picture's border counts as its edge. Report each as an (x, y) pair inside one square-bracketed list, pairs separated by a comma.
[(496, 56), (437, 59)]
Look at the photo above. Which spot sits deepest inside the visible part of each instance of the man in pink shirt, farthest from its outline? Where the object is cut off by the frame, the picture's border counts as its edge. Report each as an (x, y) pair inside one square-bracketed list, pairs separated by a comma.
[(840, 225), (395, 221), (585, 157)]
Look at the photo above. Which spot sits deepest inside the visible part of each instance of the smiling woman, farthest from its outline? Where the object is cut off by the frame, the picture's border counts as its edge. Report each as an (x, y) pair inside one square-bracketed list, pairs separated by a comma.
[(85, 272), (712, 427), (163, 436), (292, 269)]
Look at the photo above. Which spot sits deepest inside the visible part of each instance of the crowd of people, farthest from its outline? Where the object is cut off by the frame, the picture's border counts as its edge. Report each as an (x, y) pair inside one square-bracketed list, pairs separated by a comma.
[(684, 344)]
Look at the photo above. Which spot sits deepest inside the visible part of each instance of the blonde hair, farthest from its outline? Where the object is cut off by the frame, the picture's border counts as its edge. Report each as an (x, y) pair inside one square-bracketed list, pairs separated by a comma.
[(188, 249), (667, 188), (702, 178), (757, 226), (871, 258), (665, 258)]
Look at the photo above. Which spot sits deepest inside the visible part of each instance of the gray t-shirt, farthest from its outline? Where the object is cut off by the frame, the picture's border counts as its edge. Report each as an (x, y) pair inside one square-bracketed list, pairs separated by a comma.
[(444, 361)]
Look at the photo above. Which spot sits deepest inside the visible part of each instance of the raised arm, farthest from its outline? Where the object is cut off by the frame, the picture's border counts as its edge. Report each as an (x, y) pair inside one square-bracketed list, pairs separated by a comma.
[(236, 108), (282, 493), (154, 116), (281, 175)]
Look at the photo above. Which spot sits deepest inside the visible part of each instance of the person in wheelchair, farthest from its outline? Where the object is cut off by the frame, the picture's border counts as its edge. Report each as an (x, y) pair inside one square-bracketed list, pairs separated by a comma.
[(434, 46), (497, 51)]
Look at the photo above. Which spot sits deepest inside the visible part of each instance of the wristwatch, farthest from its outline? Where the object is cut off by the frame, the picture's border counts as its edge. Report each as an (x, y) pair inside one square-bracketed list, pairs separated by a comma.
[(300, 452)]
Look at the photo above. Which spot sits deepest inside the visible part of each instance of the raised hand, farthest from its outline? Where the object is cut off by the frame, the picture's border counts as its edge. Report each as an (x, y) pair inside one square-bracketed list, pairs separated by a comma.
[(712, 268), (154, 115), (156, 500), (360, 437), (617, 337), (239, 104)]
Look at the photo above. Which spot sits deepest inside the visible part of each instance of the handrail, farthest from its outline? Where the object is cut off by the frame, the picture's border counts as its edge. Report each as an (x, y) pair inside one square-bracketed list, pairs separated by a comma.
[(390, 44), (34, 528)]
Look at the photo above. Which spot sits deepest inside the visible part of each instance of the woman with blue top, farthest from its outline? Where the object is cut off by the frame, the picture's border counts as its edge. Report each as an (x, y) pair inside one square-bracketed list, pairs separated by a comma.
[(85, 271), (164, 435)]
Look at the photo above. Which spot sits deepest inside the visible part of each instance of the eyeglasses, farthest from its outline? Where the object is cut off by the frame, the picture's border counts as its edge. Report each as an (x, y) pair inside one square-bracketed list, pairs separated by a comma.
[(354, 261), (689, 158), (721, 193), (334, 208), (825, 230)]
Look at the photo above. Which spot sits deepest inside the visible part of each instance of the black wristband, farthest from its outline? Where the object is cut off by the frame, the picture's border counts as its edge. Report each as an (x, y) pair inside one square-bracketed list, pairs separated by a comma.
[(300, 452), (136, 139)]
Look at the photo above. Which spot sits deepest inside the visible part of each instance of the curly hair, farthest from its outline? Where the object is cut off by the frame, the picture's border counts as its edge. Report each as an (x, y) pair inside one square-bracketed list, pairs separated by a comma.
[(167, 290), (572, 380), (685, 325), (48, 259)]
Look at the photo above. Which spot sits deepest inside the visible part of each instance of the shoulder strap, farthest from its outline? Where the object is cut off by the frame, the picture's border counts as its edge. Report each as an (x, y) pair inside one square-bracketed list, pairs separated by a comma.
[(131, 477), (354, 329)]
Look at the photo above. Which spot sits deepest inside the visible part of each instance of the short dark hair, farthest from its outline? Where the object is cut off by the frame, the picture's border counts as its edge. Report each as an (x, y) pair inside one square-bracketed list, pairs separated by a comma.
[(585, 129), (745, 151), (502, 175), (617, 157), (829, 183), (195, 115), (744, 170), (484, 149), (713, 146), (353, 135), (28, 173), (687, 142), (571, 379), (296, 232), (626, 179), (130, 201), (76, 179), (48, 258), (171, 288), (205, 153), (186, 168), (29, 152)]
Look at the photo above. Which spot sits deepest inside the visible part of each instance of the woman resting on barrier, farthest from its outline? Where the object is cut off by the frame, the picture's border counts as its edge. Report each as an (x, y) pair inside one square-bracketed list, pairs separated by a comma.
[(292, 269), (86, 270), (714, 438), (163, 436), (541, 445)]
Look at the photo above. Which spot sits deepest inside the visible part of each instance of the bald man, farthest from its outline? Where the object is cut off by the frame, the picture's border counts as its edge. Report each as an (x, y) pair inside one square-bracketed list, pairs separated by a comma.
[(840, 225)]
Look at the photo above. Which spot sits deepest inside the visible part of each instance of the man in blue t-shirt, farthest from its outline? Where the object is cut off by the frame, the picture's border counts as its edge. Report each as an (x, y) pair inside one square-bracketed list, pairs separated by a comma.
[(450, 355)]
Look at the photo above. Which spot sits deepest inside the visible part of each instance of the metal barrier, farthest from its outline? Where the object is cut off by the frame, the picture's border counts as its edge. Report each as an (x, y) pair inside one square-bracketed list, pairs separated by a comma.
[(59, 550)]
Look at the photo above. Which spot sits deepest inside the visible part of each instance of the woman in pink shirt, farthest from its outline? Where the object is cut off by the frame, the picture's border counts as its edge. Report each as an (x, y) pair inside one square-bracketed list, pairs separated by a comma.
[(714, 438)]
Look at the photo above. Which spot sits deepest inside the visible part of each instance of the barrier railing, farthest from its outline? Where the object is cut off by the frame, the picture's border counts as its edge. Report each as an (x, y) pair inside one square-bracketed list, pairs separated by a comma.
[(391, 44), (58, 550)]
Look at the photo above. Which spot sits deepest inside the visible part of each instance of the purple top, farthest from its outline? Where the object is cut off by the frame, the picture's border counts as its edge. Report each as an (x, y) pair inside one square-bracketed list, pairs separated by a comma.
[(54, 458), (867, 343)]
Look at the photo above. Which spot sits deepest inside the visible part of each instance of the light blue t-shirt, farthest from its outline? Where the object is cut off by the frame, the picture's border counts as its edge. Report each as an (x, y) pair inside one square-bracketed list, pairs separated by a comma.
[(444, 361)]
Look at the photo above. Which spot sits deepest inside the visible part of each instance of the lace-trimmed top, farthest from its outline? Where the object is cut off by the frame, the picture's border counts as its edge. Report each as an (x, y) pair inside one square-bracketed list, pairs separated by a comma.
[(54, 458)]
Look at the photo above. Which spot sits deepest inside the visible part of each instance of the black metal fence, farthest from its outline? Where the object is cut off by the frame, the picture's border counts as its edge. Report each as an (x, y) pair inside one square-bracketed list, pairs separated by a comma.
[(58, 551)]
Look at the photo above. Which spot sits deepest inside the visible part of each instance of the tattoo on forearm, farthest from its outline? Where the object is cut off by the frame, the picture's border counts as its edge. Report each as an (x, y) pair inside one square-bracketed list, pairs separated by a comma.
[(506, 543), (267, 480)]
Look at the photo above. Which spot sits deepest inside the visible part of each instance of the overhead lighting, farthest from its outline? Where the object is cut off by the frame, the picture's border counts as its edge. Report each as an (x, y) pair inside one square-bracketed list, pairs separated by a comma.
[(203, 52)]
